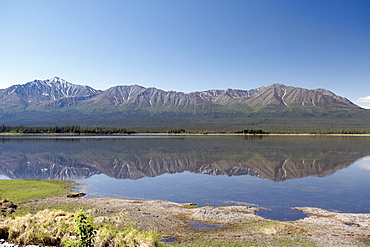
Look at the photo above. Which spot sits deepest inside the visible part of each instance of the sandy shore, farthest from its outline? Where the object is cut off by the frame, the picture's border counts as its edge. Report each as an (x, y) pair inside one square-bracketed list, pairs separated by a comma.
[(184, 223)]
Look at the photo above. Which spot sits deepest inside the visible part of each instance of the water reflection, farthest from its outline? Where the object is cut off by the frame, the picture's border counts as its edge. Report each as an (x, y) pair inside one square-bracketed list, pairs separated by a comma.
[(274, 158), (364, 163)]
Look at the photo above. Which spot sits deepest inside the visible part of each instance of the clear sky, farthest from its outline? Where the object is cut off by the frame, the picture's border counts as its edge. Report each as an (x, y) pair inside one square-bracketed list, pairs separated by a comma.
[(189, 45)]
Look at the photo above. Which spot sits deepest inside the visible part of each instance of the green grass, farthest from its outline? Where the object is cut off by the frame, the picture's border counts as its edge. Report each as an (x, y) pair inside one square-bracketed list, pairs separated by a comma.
[(23, 190), (222, 243), (292, 242), (255, 233), (213, 243), (364, 241)]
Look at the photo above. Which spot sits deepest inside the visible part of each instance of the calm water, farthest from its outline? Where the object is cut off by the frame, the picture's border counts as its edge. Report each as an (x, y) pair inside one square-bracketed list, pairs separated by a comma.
[(275, 173)]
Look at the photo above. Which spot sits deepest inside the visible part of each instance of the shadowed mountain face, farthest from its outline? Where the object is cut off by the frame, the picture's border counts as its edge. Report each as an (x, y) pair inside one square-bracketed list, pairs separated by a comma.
[(274, 158), (58, 102)]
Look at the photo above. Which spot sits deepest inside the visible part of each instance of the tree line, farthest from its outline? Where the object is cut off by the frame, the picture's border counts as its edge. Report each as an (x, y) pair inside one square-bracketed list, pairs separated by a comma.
[(75, 129), (72, 129)]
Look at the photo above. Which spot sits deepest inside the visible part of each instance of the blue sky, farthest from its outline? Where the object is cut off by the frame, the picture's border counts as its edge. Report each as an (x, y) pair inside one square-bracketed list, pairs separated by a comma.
[(189, 45)]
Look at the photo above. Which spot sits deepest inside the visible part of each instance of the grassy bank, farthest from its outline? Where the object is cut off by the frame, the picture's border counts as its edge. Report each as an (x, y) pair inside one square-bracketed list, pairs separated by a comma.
[(60, 224), (20, 191)]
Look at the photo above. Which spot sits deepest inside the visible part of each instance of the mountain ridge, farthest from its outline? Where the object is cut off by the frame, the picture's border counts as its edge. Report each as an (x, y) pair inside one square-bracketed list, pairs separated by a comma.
[(50, 91), (39, 91), (58, 102)]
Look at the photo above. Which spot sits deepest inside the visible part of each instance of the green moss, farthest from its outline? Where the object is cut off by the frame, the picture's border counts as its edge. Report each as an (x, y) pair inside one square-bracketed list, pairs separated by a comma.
[(137, 202), (214, 243), (255, 240), (292, 242), (189, 206), (364, 241), (24, 190)]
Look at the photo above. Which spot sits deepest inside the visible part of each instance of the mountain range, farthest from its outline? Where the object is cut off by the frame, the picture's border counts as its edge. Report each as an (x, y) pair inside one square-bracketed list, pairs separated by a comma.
[(58, 102)]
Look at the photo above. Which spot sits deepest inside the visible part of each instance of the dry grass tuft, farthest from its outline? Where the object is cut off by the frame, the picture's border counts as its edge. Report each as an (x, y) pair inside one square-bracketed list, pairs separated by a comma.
[(46, 227), (56, 228)]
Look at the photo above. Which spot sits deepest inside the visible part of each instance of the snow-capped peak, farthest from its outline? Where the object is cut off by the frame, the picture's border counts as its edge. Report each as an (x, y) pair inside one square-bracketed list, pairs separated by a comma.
[(51, 89)]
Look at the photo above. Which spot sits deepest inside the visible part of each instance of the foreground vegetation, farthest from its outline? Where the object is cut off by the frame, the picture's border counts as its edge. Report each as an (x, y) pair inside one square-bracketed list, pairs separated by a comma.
[(60, 228)]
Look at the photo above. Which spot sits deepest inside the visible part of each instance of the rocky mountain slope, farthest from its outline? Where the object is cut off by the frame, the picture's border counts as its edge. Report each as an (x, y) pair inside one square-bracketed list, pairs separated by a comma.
[(58, 102), (57, 92), (43, 91)]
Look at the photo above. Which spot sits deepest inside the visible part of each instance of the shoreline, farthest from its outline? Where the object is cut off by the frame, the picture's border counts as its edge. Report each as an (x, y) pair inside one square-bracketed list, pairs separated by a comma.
[(170, 134), (185, 223)]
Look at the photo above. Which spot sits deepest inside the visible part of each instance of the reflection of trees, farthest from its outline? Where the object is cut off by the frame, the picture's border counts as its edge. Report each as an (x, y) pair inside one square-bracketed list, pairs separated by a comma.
[(273, 158)]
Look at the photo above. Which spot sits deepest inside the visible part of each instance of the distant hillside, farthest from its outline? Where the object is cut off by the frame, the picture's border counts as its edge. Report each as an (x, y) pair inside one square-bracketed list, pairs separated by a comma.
[(58, 102)]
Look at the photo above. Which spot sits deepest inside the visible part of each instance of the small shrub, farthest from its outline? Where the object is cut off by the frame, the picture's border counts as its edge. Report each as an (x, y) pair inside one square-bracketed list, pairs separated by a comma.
[(59, 228), (85, 231)]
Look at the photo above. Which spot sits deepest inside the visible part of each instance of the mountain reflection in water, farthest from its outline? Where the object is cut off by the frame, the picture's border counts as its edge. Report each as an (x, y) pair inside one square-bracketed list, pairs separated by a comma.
[(267, 157)]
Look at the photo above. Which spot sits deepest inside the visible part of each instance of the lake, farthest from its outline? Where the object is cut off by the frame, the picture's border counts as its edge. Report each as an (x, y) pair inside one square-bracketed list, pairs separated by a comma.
[(271, 172)]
